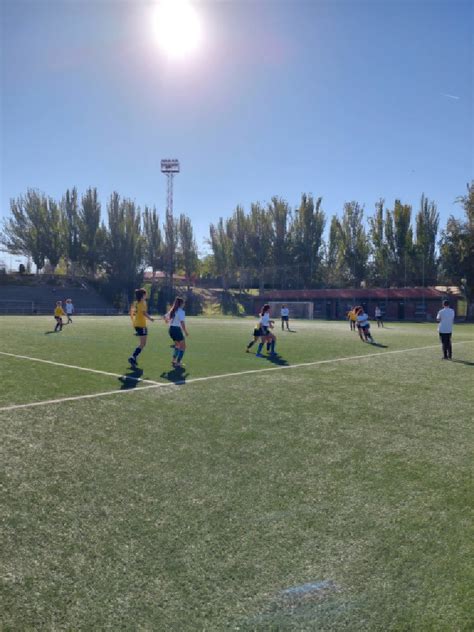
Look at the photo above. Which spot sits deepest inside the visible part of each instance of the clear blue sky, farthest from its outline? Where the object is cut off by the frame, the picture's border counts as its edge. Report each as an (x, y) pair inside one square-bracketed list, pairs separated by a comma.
[(347, 100)]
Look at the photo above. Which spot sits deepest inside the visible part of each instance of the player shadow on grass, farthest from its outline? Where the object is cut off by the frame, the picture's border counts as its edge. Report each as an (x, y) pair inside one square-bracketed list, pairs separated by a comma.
[(463, 362), (46, 333), (276, 358), (130, 379), (378, 344), (177, 375)]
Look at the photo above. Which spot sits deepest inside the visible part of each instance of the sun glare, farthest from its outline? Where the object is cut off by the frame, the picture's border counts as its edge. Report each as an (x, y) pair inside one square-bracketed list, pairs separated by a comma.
[(177, 28)]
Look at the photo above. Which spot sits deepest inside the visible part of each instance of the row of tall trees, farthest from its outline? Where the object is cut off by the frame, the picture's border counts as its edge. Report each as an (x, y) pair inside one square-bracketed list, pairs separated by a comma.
[(268, 244), (276, 238), (394, 247), (72, 229)]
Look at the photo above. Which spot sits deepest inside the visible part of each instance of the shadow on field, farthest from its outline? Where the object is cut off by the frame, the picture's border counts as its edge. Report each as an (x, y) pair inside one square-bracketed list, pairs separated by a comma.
[(46, 333), (276, 359), (463, 362), (177, 375), (130, 379), (378, 344)]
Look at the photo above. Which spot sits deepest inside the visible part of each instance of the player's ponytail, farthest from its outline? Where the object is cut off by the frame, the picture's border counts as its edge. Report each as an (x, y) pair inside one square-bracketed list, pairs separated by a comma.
[(265, 309), (178, 302)]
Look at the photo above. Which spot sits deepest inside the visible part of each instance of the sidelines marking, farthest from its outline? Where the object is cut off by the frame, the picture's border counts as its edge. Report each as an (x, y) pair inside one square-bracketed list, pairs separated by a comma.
[(79, 368), (155, 385), (76, 397), (317, 362)]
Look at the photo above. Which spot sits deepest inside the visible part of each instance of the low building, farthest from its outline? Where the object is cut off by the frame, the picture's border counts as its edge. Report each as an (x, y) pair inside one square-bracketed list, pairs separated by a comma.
[(413, 303)]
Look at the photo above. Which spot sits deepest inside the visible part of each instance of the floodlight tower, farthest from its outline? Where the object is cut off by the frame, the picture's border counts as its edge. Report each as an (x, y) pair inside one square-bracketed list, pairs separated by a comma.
[(169, 167)]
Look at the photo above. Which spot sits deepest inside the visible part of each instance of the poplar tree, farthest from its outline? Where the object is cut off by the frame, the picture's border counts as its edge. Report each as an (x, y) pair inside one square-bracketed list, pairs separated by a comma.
[(259, 241), (188, 249), (54, 246), (307, 238), (70, 227), (124, 243), (457, 250), (221, 243), (379, 264), (170, 247), (280, 216), (153, 240), (354, 245), (91, 233), (24, 233), (426, 222), (399, 239)]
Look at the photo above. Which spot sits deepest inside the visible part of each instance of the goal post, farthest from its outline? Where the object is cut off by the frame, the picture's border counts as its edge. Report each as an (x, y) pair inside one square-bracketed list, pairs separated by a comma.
[(297, 309)]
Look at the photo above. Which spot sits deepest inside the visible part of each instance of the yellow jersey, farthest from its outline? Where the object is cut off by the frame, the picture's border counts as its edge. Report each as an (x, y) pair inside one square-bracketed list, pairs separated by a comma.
[(58, 312), (138, 313)]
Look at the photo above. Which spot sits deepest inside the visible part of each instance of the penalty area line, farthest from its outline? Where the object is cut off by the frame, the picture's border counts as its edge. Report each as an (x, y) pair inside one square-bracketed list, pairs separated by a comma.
[(79, 368), (207, 378)]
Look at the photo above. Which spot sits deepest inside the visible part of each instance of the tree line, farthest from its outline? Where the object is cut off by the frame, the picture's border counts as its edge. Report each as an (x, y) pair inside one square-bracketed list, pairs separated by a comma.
[(272, 244), (284, 247), (48, 231)]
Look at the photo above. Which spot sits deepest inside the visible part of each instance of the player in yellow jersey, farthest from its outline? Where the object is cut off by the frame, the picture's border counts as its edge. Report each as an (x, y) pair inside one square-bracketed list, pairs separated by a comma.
[(139, 316), (352, 317), (58, 315)]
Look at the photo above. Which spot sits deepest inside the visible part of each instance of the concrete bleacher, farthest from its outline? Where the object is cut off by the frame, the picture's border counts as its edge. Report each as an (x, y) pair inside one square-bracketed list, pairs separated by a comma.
[(42, 298)]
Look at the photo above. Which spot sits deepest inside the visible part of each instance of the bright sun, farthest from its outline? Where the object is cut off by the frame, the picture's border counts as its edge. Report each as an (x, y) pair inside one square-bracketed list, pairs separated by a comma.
[(177, 27)]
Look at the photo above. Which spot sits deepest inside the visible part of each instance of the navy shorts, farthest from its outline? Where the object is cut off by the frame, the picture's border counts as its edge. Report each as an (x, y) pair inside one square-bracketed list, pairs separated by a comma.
[(284, 319), (141, 331), (176, 333), (265, 331), (257, 332)]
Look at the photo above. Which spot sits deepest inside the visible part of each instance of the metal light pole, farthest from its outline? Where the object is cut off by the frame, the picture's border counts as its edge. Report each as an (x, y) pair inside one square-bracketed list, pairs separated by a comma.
[(170, 167)]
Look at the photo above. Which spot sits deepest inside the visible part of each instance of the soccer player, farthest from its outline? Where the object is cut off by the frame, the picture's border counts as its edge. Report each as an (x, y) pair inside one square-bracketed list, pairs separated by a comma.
[(177, 330), (285, 317), (257, 332), (445, 317), (378, 316), (58, 315), (139, 315), (69, 310), (352, 317), (364, 326), (265, 325)]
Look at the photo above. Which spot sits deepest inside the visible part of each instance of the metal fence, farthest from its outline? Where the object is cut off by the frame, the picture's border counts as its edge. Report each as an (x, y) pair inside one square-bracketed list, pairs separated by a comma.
[(28, 308)]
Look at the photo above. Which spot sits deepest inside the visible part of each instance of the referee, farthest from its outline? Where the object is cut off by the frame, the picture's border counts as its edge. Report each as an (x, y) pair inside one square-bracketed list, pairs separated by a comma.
[(445, 318)]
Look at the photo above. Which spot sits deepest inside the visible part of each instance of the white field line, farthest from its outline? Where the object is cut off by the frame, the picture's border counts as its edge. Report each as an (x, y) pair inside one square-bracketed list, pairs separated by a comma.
[(76, 397), (78, 368), (217, 377)]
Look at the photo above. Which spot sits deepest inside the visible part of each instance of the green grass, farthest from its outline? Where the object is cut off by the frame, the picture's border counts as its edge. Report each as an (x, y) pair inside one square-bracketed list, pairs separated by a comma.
[(195, 506)]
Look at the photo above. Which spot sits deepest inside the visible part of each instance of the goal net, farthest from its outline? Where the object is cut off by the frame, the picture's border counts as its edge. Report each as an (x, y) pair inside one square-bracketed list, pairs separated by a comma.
[(297, 309)]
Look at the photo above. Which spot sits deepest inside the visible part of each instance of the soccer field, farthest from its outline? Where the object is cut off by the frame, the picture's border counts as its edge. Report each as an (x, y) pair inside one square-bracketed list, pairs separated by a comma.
[(328, 488)]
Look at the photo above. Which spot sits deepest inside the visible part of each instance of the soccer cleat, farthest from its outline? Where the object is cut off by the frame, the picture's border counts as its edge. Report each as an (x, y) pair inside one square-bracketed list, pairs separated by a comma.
[(259, 355)]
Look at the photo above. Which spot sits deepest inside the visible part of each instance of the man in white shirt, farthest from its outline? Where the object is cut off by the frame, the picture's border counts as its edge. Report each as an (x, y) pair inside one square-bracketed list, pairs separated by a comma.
[(445, 318), (69, 310), (285, 317)]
